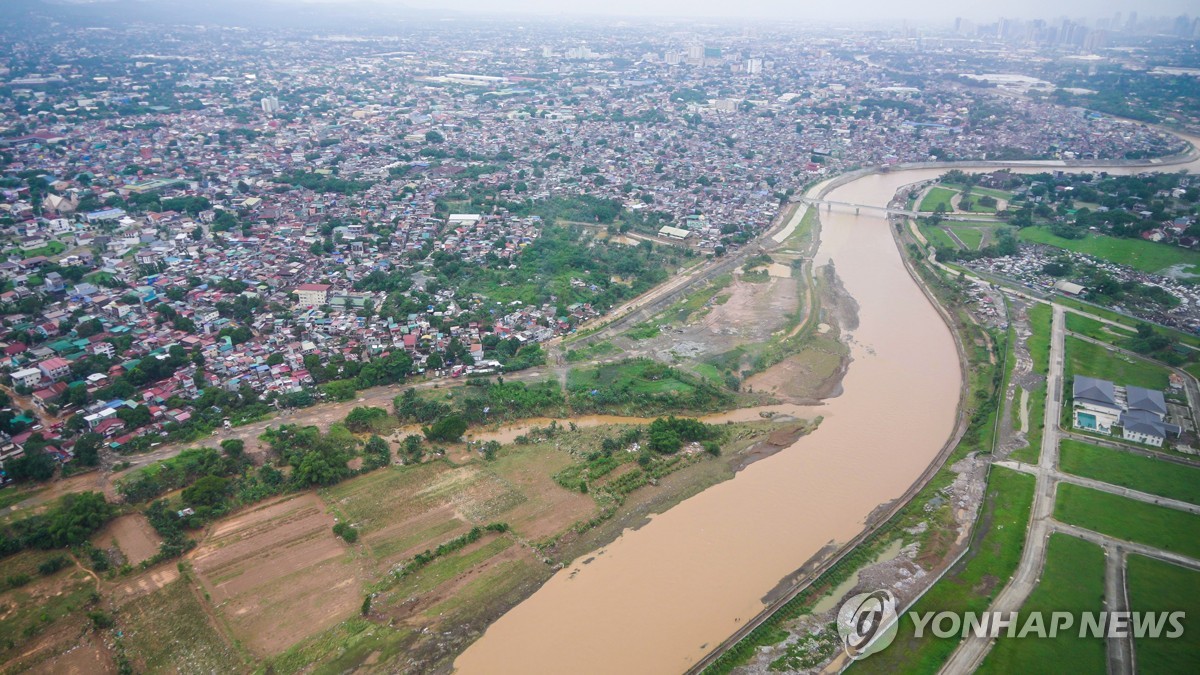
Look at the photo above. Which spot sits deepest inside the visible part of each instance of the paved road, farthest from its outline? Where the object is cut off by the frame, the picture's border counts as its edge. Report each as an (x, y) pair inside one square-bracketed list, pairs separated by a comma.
[(1128, 546), (971, 651), (1116, 599), (1105, 487)]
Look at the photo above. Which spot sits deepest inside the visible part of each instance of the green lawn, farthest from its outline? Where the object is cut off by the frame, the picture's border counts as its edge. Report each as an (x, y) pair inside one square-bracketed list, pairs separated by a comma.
[(638, 376), (938, 238), (971, 584), (1130, 520), (1186, 338), (1097, 330), (935, 196), (1132, 471), (1156, 586), (1072, 581), (1040, 320), (1092, 360), (1140, 254), (971, 236), (980, 191), (1037, 422)]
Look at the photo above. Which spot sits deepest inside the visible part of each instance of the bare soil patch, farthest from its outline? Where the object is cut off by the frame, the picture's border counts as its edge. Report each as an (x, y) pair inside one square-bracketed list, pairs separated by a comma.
[(278, 573), (89, 657), (134, 536)]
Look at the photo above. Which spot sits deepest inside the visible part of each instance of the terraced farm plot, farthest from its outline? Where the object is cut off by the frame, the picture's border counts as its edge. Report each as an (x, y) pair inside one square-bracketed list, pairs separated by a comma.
[(549, 509), (168, 631), (278, 573), (1135, 472), (402, 511)]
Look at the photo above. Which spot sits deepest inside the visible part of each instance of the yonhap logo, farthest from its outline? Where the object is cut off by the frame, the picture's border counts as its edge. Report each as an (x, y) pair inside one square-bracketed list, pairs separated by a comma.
[(867, 623)]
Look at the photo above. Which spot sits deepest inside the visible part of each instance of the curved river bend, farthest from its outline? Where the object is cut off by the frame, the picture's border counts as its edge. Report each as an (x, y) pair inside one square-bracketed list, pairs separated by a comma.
[(656, 599)]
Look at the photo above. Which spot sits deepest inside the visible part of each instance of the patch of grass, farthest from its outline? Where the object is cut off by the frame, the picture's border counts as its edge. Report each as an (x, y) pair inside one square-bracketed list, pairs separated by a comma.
[(169, 628), (638, 376), (1156, 586), (971, 236), (39, 604), (973, 582), (15, 495), (1147, 256), (980, 191), (592, 351), (1186, 338), (1072, 581), (1097, 330), (937, 196), (1037, 425), (938, 238), (1130, 520), (1132, 471), (343, 648), (447, 567), (1092, 360), (643, 332)]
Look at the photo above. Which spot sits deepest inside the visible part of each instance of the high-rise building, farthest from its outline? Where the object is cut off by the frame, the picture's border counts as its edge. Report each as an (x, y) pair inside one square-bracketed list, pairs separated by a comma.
[(754, 65), (270, 105)]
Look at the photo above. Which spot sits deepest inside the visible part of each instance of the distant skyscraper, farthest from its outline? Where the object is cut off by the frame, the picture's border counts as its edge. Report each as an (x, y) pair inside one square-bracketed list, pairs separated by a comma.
[(270, 105), (754, 65), (695, 52)]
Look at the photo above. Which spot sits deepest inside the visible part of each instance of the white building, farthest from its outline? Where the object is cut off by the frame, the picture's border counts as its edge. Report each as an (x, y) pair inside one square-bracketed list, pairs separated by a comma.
[(312, 295), (27, 377)]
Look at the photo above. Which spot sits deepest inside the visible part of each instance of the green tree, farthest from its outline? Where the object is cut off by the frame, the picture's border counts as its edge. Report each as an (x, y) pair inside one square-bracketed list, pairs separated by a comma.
[(87, 449), (448, 429)]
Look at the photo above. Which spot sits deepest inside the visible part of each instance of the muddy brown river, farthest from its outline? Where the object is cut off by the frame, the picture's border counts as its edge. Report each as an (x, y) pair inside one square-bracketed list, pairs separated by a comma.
[(658, 598)]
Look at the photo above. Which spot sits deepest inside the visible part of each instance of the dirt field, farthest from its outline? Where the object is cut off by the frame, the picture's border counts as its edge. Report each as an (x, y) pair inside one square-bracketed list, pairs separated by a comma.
[(278, 574), (89, 657), (134, 536), (751, 314), (802, 377)]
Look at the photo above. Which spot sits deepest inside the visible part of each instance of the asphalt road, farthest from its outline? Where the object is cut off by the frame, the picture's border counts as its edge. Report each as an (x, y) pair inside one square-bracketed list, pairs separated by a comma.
[(972, 650)]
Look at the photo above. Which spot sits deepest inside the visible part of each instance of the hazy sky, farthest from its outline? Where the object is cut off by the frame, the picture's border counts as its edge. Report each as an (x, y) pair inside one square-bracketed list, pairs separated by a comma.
[(923, 10)]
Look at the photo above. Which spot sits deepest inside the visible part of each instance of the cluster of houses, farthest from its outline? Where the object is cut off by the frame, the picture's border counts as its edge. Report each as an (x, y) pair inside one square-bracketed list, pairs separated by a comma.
[(1101, 407)]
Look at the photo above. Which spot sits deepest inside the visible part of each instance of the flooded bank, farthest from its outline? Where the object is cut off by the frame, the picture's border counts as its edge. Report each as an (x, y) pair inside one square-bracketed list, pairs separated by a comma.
[(657, 599)]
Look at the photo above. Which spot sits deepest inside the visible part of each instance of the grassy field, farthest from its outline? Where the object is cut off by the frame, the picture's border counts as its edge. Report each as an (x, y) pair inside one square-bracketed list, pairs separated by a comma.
[(15, 495), (973, 582), (1072, 581), (938, 237), (936, 196), (980, 191), (1132, 471), (169, 628), (1039, 340), (44, 608), (344, 648), (971, 236), (1097, 330), (1086, 358), (1156, 586), (1130, 520), (631, 375), (1139, 254)]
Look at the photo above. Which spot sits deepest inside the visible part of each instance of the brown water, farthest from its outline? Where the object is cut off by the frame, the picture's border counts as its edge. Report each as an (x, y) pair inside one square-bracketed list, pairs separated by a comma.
[(656, 599)]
